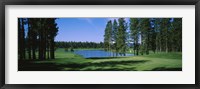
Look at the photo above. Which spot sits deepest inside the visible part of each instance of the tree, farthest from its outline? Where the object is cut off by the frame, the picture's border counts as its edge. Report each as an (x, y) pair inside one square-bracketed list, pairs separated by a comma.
[(145, 27), (114, 36), (40, 35), (121, 37), (156, 34), (29, 38), (152, 35), (108, 36), (134, 30), (158, 31), (177, 37), (52, 35), (32, 38), (66, 45), (164, 27), (21, 39)]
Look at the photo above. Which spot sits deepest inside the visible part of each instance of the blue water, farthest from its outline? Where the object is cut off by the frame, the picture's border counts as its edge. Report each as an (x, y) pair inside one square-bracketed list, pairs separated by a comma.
[(96, 53)]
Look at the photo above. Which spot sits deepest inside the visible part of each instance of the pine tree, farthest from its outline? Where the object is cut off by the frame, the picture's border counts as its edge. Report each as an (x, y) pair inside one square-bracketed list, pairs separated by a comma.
[(114, 36), (21, 39), (158, 35), (134, 30), (53, 33), (145, 28), (108, 36), (177, 26), (121, 37), (164, 27)]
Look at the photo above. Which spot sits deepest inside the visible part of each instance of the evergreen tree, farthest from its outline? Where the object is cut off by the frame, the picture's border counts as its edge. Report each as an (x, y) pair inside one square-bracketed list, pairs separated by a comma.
[(134, 30), (164, 27), (177, 39), (114, 36), (53, 33), (145, 28), (40, 35), (157, 22), (121, 37), (21, 39), (108, 36)]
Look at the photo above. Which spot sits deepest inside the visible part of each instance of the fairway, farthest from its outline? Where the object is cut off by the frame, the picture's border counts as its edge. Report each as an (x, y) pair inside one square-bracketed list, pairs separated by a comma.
[(102, 44), (68, 61)]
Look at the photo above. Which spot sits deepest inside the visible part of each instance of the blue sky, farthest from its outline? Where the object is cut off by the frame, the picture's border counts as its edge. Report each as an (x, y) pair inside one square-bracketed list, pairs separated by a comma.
[(81, 29)]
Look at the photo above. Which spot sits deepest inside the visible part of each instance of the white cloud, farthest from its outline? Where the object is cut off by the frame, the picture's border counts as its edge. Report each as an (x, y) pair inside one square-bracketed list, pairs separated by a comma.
[(87, 20), (90, 21)]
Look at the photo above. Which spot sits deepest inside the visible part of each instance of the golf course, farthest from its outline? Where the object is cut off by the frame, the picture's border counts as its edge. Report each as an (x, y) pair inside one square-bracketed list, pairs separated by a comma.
[(69, 61), (99, 44)]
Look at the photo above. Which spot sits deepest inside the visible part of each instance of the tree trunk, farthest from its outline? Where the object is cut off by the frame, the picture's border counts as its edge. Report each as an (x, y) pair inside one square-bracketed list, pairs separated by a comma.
[(44, 43), (52, 49), (29, 40), (40, 41), (147, 44), (23, 41), (34, 45), (20, 55), (134, 47), (160, 45), (166, 46), (48, 52), (137, 51)]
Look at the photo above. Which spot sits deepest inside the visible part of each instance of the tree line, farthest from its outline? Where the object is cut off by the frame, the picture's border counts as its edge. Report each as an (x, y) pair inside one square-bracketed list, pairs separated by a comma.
[(36, 38), (73, 44), (144, 35)]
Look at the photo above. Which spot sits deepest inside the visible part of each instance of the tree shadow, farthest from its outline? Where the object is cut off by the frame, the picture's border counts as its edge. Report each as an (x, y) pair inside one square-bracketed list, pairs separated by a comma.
[(110, 64), (112, 69), (166, 69), (104, 57), (32, 66)]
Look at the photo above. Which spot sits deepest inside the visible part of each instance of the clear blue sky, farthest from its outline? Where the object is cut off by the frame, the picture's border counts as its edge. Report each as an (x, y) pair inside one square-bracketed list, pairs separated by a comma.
[(81, 29)]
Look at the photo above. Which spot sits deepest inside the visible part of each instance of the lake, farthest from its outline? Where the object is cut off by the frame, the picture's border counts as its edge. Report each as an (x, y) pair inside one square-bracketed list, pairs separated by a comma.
[(96, 53)]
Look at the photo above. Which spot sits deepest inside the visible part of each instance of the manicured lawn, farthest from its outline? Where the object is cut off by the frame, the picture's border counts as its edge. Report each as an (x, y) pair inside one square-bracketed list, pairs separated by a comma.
[(69, 61)]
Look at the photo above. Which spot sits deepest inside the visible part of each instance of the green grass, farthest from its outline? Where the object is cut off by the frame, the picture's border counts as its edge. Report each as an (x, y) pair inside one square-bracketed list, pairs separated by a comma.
[(69, 61), (88, 49)]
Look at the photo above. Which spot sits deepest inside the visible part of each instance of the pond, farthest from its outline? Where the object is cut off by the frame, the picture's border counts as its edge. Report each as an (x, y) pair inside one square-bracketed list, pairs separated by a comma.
[(97, 53)]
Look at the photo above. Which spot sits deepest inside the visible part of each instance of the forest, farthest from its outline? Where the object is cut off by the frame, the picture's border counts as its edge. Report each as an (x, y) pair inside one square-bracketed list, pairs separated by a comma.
[(127, 44), (76, 45), (38, 40), (144, 35)]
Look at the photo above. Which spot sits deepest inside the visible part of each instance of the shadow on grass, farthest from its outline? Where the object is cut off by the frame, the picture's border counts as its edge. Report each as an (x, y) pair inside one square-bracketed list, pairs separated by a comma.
[(29, 65), (32, 66), (110, 64), (112, 69), (105, 57), (166, 69)]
